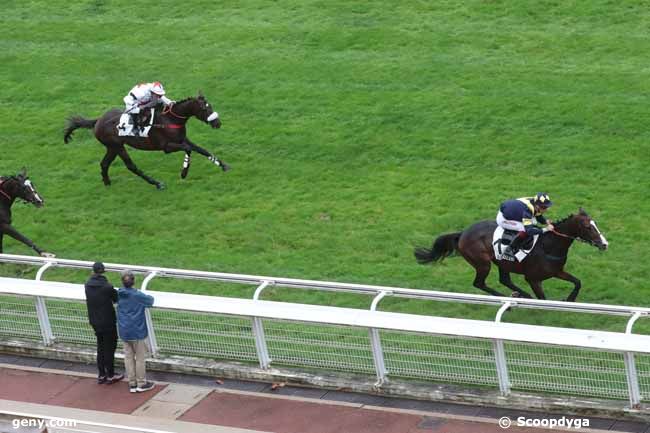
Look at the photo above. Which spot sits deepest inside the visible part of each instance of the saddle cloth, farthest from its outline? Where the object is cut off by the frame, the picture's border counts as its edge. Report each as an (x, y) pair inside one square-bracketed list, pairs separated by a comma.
[(500, 246), (125, 127)]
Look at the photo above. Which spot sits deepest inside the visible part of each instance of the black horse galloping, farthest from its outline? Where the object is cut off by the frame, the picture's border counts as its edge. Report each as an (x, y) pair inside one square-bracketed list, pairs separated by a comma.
[(167, 134), (546, 260), (11, 188)]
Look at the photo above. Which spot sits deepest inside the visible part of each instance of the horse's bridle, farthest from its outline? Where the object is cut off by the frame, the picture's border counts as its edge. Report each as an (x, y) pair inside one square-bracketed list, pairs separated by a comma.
[(168, 109)]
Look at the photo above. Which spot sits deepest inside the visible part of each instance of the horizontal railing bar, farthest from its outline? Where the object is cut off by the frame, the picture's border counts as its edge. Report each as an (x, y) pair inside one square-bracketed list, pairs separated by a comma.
[(338, 287)]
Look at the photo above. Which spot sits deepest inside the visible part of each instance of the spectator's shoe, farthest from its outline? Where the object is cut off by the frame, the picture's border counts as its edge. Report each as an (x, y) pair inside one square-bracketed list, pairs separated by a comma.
[(101, 379), (145, 387), (115, 378), (133, 388)]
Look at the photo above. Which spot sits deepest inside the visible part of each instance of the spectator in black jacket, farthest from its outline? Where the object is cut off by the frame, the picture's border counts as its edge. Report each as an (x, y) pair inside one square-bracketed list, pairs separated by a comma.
[(100, 297)]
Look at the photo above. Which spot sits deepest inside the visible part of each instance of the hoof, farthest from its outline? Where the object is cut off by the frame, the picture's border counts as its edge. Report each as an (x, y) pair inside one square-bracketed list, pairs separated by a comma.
[(515, 295), (224, 166), (47, 255), (183, 174), (160, 186)]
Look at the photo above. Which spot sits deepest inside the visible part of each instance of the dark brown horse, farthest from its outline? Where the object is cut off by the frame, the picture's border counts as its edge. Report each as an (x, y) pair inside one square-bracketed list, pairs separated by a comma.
[(546, 260), (11, 188), (167, 134)]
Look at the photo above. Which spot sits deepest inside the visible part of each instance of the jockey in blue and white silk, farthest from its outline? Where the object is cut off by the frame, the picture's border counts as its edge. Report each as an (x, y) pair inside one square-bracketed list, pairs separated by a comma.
[(145, 95), (523, 215)]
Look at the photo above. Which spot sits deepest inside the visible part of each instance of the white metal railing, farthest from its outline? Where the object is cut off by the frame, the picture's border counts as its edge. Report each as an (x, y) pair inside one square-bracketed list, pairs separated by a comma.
[(332, 286), (507, 355)]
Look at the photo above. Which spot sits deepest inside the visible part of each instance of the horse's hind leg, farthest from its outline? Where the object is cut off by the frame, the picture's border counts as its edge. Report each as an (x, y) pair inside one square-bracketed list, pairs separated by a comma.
[(481, 264), (504, 278), (123, 154), (576, 284), (106, 163), (482, 272)]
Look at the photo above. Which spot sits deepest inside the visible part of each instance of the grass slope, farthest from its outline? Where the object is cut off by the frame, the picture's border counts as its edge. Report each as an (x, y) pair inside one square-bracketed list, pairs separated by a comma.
[(355, 131)]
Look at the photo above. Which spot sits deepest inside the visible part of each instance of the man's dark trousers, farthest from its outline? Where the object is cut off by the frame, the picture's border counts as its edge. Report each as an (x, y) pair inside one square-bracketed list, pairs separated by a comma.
[(106, 344)]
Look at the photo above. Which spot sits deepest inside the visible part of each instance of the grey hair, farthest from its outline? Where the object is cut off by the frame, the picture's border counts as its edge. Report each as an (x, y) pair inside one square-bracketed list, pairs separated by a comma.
[(127, 276)]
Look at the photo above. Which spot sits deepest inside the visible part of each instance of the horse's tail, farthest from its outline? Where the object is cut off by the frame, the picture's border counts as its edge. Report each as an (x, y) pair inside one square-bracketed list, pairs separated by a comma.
[(76, 122), (443, 246)]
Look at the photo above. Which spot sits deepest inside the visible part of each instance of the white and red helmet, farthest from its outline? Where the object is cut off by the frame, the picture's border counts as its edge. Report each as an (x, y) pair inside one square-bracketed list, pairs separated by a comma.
[(157, 88)]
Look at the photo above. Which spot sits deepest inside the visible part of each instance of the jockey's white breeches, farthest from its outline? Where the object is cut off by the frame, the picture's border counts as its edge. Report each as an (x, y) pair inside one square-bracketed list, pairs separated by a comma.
[(510, 224)]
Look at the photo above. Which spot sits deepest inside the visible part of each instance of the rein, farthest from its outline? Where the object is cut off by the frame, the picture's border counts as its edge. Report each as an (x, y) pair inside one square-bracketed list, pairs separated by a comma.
[(575, 238), (3, 192), (168, 109)]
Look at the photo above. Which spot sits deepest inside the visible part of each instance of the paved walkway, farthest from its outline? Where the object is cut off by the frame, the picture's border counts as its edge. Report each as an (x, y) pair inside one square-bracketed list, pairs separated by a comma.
[(192, 403)]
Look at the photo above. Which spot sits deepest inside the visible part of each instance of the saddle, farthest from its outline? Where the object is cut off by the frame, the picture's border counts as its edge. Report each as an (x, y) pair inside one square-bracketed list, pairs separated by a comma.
[(126, 128), (503, 238)]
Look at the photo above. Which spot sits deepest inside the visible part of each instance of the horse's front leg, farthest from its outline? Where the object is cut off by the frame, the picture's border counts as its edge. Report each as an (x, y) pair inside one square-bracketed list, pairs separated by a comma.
[(536, 285), (186, 163), (562, 275), (170, 147), (213, 159), (8, 229)]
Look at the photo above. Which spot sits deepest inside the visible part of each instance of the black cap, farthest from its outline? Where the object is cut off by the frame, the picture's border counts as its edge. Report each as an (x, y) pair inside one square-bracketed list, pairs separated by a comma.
[(98, 268)]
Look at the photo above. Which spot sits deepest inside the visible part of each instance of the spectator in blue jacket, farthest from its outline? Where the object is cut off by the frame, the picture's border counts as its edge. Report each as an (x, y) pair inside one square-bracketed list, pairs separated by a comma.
[(132, 326)]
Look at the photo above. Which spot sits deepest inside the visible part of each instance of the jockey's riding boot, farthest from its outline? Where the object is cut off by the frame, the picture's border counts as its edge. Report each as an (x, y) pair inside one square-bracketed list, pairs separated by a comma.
[(516, 243), (136, 125)]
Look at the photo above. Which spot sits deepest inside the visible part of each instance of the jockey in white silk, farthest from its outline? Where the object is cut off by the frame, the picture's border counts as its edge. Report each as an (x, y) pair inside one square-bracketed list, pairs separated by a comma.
[(143, 96)]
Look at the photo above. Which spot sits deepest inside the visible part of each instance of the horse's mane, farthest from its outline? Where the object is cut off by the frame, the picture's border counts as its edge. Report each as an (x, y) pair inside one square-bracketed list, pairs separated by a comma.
[(185, 100), (555, 223)]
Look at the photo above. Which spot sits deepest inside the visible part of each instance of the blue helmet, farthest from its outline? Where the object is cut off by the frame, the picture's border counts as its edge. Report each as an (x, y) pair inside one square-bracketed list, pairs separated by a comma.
[(542, 199)]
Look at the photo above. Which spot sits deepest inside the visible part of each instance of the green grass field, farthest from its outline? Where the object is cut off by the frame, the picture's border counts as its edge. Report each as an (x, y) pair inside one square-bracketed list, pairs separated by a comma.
[(355, 131)]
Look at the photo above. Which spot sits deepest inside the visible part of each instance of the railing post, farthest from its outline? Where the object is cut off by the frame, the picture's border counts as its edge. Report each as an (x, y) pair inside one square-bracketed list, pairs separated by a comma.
[(153, 344), (258, 332), (633, 389), (375, 344), (500, 354), (41, 310)]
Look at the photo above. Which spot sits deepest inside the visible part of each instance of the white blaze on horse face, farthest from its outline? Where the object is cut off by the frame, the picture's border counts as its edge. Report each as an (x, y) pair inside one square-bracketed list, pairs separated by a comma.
[(602, 238), (212, 116), (28, 184)]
